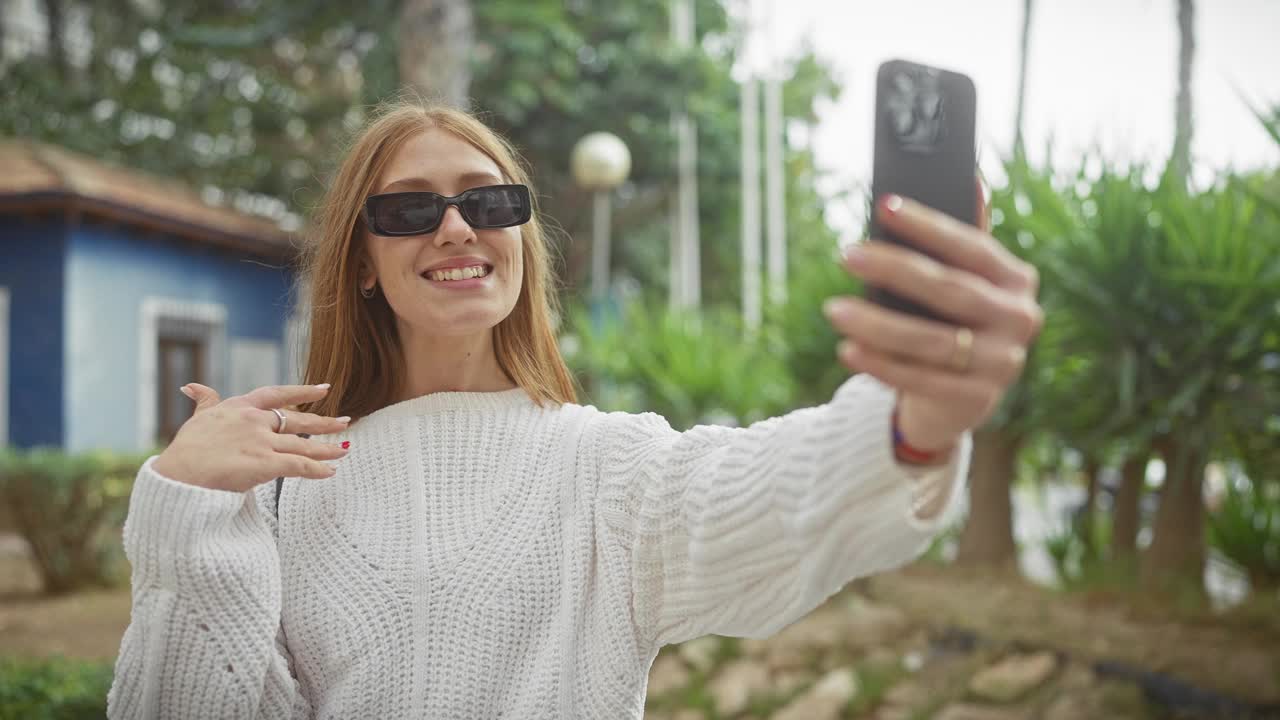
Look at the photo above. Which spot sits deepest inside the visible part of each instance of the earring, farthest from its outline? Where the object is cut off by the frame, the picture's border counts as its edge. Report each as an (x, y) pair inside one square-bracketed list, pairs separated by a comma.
[(366, 294)]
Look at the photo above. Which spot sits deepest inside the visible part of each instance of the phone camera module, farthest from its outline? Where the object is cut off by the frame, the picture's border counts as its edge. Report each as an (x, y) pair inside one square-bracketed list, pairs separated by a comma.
[(915, 108)]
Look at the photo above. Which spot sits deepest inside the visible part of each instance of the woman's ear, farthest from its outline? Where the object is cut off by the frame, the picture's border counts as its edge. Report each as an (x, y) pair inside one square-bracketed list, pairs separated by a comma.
[(366, 276)]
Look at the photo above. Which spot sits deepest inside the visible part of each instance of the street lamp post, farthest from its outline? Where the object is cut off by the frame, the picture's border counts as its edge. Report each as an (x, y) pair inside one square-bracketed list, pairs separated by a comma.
[(600, 162)]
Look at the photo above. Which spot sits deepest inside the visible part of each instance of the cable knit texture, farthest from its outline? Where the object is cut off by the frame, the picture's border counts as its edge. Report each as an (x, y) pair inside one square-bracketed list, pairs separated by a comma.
[(479, 556)]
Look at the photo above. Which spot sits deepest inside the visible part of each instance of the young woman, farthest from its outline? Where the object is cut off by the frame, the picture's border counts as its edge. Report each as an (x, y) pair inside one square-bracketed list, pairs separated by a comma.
[(457, 538)]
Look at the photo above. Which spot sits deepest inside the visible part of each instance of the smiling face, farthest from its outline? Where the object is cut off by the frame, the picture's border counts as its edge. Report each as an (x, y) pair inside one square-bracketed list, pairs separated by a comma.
[(455, 280)]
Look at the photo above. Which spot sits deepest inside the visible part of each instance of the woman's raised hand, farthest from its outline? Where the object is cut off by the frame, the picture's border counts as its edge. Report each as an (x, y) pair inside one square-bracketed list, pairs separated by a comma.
[(234, 445), (950, 376)]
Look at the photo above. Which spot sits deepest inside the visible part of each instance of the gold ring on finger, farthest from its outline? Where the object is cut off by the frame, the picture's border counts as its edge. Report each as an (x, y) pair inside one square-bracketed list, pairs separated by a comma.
[(962, 351)]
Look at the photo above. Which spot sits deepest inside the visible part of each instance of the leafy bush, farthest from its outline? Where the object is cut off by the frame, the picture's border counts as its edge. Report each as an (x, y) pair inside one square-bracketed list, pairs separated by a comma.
[(69, 508), (1081, 554), (1245, 528), (805, 340), (689, 368), (53, 689)]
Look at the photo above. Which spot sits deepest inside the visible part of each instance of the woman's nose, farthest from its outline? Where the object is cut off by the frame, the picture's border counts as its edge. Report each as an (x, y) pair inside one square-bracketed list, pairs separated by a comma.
[(454, 228)]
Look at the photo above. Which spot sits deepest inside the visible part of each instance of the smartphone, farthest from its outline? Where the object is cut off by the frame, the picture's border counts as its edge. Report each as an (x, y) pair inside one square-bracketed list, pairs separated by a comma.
[(925, 149)]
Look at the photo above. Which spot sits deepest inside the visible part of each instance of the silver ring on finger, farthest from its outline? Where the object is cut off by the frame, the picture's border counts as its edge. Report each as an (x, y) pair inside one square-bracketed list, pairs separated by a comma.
[(283, 421), (962, 350)]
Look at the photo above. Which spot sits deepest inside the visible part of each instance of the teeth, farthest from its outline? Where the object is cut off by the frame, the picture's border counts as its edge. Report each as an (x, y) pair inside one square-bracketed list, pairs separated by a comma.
[(465, 273)]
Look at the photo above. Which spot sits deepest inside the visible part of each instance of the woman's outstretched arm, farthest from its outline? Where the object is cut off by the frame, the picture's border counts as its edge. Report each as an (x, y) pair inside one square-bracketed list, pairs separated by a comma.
[(741, 531)]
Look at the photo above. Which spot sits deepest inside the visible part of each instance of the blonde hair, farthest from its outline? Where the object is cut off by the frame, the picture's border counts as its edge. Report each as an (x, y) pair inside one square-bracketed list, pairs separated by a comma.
[(354, 343)]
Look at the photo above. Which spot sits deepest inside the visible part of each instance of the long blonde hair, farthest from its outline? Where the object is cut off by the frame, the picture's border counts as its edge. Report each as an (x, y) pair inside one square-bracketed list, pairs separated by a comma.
[(354, 344)]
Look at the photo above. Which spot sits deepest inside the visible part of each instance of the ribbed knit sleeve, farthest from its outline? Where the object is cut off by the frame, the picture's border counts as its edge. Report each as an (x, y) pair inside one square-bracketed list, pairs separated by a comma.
[(204, 636), (741, 531)]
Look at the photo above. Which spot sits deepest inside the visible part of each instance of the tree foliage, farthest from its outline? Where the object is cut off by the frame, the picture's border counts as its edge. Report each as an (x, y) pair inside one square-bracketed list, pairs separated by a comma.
[(251, 102)]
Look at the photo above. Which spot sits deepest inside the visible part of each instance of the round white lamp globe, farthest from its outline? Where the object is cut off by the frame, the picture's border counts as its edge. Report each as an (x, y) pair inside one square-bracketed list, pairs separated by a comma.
[(600, 161)]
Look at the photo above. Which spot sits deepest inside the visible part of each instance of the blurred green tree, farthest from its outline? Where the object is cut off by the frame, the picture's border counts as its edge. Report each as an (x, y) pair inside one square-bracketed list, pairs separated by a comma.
[(247, 102)]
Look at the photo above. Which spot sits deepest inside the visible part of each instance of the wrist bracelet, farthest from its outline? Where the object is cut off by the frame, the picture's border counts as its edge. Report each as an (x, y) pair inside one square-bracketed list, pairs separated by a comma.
[(910, 454)]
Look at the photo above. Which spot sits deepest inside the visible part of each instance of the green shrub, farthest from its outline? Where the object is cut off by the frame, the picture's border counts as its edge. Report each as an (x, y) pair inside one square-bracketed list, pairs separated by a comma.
[(689, 368), (1080, 553), (1245, 528), (53, 689), (805, 340), (69, 508)]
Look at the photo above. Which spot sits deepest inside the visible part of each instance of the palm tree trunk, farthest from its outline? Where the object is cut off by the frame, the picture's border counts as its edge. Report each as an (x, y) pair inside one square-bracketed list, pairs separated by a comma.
[(434, 49), (1018, 148), (987, 538), (1180, 161), (1126, 520), (1177, 552)]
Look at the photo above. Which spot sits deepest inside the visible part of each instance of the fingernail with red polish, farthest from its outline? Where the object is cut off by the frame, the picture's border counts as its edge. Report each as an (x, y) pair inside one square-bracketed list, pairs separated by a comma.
[(346, 444), (891, 203)]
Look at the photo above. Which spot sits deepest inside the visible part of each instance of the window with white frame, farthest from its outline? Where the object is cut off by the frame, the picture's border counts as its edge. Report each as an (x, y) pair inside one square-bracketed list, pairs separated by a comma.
[(179, 342)]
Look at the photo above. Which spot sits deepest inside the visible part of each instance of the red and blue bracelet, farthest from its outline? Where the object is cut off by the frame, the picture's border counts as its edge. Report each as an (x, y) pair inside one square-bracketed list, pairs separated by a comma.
[(908, 454)]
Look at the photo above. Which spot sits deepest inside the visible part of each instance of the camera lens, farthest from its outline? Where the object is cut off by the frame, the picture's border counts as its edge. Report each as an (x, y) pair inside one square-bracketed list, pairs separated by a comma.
[(930, 104), (904, 83), (903, 120), (914, 110)]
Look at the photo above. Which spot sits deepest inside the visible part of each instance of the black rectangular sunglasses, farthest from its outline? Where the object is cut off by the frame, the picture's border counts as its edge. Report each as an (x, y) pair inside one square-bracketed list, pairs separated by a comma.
[(420, 212)]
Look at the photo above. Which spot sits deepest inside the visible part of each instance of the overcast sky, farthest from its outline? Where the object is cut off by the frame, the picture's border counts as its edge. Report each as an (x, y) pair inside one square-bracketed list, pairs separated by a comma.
[(1101, 72)]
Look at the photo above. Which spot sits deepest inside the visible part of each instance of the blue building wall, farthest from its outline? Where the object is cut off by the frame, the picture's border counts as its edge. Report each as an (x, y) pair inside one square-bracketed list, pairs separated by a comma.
[(32, 254), (110, 272)]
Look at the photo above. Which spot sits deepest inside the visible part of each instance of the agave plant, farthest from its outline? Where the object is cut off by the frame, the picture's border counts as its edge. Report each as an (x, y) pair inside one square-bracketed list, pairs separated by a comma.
[(1159, 306), (1215, 282), (1027, 215), (1087, 390)]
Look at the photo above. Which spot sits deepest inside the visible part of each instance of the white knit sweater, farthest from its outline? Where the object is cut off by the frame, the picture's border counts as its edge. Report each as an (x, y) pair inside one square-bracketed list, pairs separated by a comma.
[(478, 556)]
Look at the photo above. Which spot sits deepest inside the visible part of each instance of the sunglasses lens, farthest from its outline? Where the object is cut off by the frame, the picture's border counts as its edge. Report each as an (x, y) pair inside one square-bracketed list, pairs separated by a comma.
[(408, 214), (496, 207)]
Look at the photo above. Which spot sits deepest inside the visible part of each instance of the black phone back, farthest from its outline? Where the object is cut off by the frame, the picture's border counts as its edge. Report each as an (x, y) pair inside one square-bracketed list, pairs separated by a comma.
[(925, 131)]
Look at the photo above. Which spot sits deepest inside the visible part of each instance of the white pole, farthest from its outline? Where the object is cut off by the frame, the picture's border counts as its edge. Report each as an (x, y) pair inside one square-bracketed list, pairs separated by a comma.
[(751, 313), (775, 172), (685, 274), (692, 265), (600, 245), (775, 190), (675, 277)]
